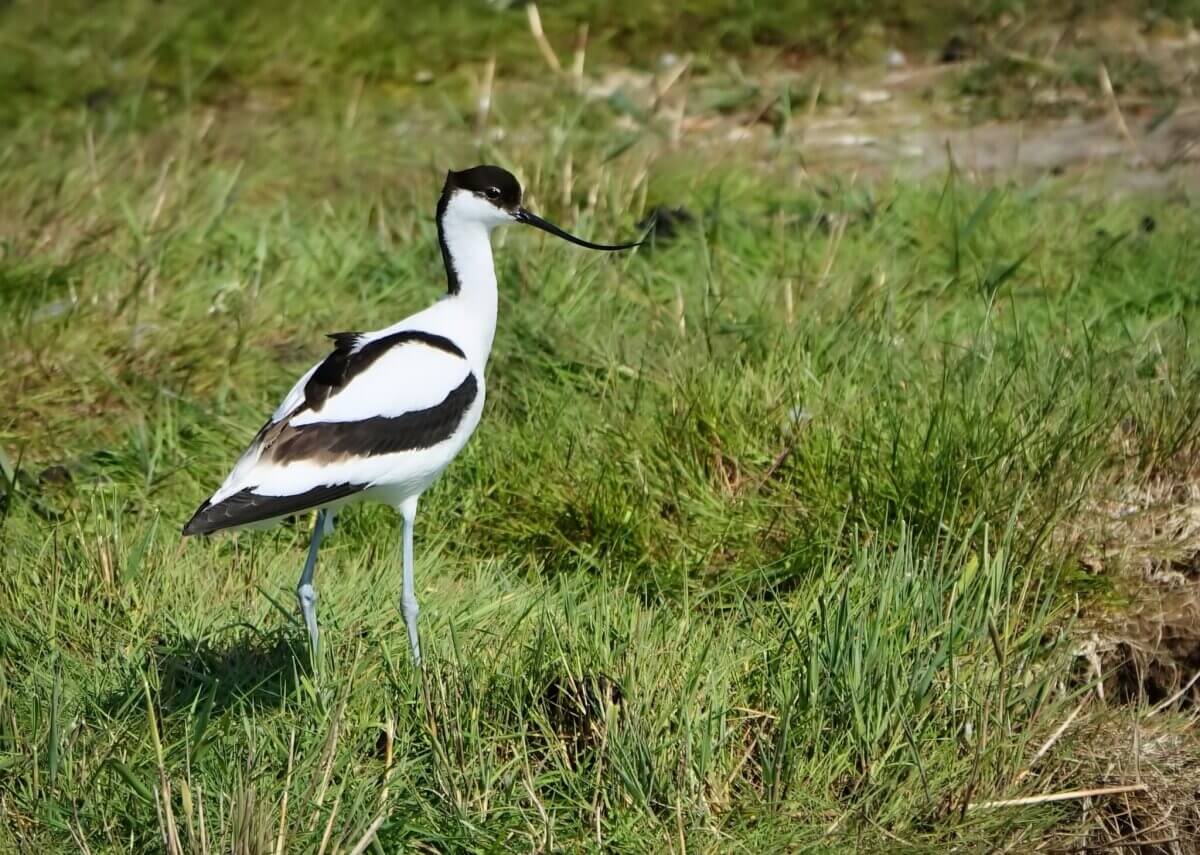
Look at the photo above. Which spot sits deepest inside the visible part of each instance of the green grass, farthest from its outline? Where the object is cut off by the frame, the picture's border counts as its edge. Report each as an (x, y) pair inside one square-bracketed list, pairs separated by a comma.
[(721, 569)]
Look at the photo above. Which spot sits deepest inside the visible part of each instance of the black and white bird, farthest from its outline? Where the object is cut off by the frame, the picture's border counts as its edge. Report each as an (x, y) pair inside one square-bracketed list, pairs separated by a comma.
[(383, 414)]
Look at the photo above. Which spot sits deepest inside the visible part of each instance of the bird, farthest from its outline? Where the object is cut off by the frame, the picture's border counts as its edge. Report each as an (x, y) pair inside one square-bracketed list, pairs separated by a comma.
[(383, 414)]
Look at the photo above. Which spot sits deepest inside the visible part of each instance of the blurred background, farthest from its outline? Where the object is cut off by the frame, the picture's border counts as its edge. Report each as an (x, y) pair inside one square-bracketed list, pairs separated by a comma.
[(854, 84)]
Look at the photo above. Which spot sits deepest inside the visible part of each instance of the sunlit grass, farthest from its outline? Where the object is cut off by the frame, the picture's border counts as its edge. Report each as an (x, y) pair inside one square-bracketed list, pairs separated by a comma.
[(757, 546)]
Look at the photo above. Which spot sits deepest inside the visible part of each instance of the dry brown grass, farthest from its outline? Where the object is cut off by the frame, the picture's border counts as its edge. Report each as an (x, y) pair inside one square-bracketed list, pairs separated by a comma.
[(1141, 656), (1161, 752)]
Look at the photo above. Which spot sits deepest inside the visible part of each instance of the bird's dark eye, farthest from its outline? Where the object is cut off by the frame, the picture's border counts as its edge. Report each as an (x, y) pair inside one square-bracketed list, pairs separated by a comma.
[(492, 192)]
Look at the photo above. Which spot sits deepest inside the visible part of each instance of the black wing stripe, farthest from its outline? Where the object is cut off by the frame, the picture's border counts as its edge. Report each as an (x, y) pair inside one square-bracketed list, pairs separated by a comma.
[(328, 442), (346, 363), (246, 506)]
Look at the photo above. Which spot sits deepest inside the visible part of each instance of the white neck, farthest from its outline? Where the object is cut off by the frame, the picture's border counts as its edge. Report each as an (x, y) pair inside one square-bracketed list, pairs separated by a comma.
[(467, 252)]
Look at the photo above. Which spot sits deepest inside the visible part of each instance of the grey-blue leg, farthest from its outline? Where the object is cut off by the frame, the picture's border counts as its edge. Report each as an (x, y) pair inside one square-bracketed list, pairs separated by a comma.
[(408, 594), (306, 593)]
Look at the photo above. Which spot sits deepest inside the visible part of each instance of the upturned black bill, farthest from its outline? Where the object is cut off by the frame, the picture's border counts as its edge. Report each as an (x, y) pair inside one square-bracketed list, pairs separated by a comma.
[(534, 220)]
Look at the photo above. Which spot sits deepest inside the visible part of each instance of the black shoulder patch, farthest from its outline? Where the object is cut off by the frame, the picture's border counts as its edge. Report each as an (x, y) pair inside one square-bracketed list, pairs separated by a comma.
[(348, 360), (333, 372), (345, 339)]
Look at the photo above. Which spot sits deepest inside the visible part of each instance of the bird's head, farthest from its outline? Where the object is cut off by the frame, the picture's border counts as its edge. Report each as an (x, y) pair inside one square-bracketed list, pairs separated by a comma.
[(491, 196)]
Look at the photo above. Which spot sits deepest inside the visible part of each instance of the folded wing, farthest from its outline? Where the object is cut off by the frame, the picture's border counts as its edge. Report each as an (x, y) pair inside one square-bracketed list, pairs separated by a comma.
[(346, 424)]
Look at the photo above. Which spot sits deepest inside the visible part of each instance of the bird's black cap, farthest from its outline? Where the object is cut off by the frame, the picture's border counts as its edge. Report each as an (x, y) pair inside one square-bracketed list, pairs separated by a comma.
[(492, 182)]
